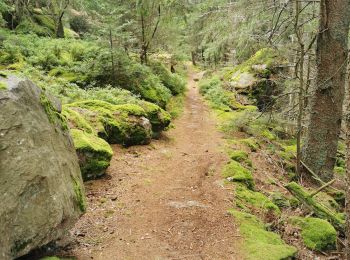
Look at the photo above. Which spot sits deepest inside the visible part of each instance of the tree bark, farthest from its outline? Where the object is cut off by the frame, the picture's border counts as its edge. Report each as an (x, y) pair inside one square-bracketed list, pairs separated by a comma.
[(323, 130), (347, 193), (300, 73), (60, 28)]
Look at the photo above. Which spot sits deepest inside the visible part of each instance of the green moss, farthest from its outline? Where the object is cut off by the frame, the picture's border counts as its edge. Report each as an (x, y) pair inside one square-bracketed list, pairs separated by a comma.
[(175, 106), (170, 80), (280, 200), (76, 120), (267, 134), (79, 193), (317, 234), (327, 201), (69, 76), (266, 56), (254, 199), (319, 209), (240, 156), (251, 143), (288, 152), (235, 172), (53, 115), (159, 118), (258, 243), (339, 197), (3, 86), (94, 154), (340, 171), (122, 124), (294, 202), (340, 162)]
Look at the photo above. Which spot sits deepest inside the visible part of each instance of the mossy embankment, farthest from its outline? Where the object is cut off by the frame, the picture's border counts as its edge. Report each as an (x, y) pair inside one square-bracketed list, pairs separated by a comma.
[(262, 152)]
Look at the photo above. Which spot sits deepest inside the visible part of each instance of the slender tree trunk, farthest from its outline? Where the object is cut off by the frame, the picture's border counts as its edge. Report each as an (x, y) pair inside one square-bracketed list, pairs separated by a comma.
[(112, 54), (193, 56), (143, 54), (60, 28), (300, 74), (347, 204), (323, 131)]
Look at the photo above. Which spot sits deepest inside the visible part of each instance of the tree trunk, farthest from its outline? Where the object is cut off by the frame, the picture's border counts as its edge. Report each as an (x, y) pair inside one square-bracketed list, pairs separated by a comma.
[(300, 73), (144, 55), (60, 28), (319, 152), (347, 201), (193, 56), (112, 55)]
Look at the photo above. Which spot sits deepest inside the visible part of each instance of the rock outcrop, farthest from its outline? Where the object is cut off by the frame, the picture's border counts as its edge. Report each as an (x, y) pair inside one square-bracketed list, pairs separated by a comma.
[(255, 78), (42, 194)]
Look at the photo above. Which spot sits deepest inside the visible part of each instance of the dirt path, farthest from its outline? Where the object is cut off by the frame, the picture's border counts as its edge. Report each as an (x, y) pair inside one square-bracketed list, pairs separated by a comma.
[(163, 201)]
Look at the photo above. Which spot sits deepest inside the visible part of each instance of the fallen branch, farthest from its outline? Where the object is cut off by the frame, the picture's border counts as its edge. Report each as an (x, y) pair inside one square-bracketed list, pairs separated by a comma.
[(314, 175), (331, 190), (320, 211), (322, 188)]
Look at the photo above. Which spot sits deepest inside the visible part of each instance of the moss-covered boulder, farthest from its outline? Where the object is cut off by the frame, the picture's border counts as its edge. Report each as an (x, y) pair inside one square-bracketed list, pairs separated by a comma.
[(258, 243), (117, 124), (159, 118), (253, 77), (76, 120), (318, 234), (93, 152), (235, 172)]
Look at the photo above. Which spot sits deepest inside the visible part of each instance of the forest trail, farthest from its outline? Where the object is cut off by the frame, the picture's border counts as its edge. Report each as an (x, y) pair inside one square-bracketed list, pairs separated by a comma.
[(163, 201)]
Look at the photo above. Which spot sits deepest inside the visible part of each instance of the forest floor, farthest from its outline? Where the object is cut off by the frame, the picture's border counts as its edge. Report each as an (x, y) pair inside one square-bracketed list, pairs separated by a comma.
[(165, 200)]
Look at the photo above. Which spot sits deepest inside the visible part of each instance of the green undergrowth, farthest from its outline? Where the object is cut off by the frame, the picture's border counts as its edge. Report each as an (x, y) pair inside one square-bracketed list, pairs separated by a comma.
[(172, 81), (219, 98), (317, 234), (73, 63), (258, 243), (175, 106)]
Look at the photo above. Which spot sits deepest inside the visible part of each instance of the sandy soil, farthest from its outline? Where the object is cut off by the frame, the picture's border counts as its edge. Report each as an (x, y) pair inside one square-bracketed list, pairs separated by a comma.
[(165, 200)]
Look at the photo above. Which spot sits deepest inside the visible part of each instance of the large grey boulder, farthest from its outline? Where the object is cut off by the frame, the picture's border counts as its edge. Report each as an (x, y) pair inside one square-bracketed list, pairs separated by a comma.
[(41, 189)]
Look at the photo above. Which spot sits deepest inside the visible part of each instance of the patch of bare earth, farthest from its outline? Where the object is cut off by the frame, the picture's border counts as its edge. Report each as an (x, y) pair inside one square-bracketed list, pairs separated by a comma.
[(163, 201)]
